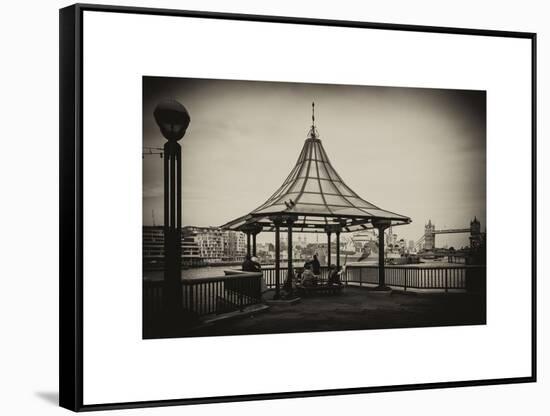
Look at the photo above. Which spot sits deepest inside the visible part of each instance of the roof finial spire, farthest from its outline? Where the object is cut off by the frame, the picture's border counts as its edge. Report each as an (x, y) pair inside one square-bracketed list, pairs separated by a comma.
[(313, 134)]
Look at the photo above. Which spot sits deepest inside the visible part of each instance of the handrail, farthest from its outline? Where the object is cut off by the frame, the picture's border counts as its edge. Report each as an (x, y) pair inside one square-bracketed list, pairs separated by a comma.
[(463, 277), (237, 275), (207, 296), (443, 277)]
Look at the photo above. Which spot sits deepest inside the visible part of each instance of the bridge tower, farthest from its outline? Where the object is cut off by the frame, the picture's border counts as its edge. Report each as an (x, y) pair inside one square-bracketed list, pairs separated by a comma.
[(475, 233), (429, 236)]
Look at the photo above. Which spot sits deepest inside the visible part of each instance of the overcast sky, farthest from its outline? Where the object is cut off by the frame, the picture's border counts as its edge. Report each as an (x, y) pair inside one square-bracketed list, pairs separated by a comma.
[(417, 152)]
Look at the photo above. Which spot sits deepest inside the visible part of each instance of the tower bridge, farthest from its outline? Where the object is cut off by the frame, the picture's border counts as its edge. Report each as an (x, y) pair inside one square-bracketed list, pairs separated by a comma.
[(452, 231), (427, 241)]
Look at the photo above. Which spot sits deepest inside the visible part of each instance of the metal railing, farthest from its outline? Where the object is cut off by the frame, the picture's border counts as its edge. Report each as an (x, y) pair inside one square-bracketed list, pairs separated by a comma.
[(269, 274), (237, 289), (439, 277), (209, 295), (406, 277), (457, 259)]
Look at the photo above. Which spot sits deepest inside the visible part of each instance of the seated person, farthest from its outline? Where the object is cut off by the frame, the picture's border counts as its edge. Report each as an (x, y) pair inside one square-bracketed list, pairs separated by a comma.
[(257, 265), (334, 275), (308, 279), (249, 265)]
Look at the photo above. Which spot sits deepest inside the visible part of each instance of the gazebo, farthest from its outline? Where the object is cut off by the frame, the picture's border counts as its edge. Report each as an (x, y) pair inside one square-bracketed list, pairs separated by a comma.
[(314, 198)]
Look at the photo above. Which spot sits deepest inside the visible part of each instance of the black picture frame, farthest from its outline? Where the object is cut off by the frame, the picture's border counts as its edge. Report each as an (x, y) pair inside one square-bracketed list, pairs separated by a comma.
[(71, 206)]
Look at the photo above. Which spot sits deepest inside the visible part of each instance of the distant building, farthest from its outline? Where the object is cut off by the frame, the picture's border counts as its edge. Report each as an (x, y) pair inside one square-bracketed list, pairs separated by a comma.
[(216, 245), (411, 245), (301, 241), (429, 236), (361, 239), (402, 245), (153, 248), (210, 241), (190, 251), (234, 245), (391, 239), (199, 246)]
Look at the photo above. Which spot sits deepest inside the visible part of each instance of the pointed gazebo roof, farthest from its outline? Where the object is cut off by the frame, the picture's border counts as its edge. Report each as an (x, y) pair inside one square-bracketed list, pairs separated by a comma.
[(317, 197)]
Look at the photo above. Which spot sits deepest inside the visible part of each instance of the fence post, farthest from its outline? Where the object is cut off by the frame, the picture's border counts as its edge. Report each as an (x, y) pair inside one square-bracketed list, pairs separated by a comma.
[(190, 297), (346, 276), (405, 284), (241, 281), (360, 276), (446, 280)]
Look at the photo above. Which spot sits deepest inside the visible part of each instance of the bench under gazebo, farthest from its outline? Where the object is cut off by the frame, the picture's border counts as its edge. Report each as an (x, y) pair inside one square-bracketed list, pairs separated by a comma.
[(314, 199)]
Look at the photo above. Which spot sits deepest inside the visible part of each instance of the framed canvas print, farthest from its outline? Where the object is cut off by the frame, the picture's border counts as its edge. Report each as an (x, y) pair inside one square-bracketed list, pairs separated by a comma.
[(259, 207)]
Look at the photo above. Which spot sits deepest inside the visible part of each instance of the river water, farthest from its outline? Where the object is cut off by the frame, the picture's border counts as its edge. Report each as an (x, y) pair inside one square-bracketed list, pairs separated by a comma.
[(218, 271), (194, 273)]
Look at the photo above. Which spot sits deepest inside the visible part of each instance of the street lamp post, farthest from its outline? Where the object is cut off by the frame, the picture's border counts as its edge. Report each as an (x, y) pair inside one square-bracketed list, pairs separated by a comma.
[(173, 120)]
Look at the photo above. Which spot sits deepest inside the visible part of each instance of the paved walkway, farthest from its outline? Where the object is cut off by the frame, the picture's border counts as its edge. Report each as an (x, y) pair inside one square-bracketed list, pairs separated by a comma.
[(359, 308)]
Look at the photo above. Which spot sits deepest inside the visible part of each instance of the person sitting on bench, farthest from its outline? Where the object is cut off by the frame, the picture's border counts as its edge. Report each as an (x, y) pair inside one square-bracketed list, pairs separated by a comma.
[(308, 279), (251, 265), (334, 275)]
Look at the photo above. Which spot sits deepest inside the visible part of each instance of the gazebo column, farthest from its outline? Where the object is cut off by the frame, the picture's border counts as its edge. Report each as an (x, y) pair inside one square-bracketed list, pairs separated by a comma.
[(290, 271), (277, 222), (257, 229), (248, 252), (328, 248), (338, 249), (381, 225)]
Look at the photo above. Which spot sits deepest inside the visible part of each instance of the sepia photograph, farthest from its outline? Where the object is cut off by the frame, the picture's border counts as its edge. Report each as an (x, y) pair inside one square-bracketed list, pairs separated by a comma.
[(257, 207), (281, 207)]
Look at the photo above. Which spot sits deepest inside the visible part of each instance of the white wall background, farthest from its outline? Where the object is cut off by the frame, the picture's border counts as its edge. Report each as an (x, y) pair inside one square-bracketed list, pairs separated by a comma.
[(28, 239)]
